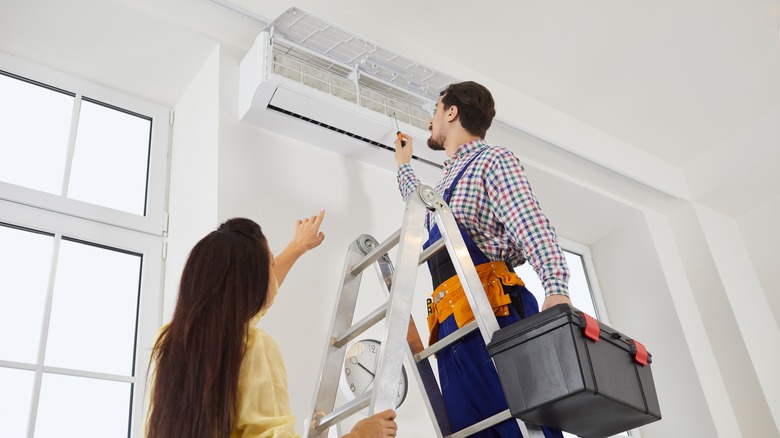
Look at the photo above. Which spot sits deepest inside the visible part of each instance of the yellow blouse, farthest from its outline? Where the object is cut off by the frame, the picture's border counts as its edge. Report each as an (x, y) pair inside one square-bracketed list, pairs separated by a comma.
[(263, 403)]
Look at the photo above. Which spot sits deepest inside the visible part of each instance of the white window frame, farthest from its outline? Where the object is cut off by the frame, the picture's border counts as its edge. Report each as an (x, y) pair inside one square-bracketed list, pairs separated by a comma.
[(156, 191), (590, 274), (60, 216), (150, 300)]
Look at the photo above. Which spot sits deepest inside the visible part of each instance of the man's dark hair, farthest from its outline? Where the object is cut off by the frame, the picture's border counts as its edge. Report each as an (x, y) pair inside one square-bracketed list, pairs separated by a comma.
[(475, 106)]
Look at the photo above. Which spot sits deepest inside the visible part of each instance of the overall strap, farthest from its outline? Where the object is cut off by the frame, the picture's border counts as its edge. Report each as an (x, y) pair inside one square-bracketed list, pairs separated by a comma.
[(448, 191)]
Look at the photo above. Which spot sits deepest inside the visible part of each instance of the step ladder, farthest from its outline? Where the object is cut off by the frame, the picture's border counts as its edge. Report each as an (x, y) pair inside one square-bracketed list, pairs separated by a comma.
[(401, 333)]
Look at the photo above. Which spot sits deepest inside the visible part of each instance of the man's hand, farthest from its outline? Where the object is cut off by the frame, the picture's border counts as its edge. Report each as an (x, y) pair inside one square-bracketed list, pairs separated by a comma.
[(555, 299), (403, 154), (379, 425)]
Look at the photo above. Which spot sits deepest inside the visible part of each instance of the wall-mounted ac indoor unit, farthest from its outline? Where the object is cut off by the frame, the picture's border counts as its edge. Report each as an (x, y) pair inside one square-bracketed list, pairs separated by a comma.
[(307, 79)]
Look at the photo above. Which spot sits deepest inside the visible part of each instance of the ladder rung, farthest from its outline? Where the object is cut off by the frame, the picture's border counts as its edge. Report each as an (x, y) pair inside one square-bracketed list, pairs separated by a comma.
[(433, 349), (361, 326), (431, 250), (376, 253), (482, 425), (343, 411)]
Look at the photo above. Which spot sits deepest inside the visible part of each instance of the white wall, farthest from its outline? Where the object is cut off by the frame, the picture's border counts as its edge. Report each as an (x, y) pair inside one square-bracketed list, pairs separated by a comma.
[(700, 236), (762, 237), (747, 300), (639, 304), (192, 198)]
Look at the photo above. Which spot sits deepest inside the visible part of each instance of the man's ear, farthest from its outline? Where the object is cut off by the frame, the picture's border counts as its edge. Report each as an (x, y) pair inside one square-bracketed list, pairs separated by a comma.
[(451, 113)]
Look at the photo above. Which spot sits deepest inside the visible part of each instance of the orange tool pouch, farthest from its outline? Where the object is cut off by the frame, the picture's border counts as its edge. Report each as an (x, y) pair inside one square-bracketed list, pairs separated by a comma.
[(450, 298)]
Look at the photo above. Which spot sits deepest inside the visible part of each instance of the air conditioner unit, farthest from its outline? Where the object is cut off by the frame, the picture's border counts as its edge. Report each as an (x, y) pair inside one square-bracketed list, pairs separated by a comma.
[(307, 79)]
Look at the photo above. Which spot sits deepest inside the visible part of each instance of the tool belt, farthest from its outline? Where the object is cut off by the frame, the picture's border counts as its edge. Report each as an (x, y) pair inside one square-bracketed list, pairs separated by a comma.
[(449, 298)]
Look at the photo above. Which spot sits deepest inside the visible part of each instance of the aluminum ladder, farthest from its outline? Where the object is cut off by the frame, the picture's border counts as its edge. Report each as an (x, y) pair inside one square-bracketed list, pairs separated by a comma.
[(400, 330)]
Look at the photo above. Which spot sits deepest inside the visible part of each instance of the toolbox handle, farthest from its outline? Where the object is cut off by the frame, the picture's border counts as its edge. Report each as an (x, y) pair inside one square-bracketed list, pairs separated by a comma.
[(591, 328), (640, 352)]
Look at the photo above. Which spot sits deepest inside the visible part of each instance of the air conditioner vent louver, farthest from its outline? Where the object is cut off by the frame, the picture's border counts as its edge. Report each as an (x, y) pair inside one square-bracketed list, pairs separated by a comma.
[(302, 68), (347, 133)]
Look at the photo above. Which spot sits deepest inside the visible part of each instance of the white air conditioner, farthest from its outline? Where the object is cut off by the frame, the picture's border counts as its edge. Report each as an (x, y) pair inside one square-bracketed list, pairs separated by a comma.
[(306, 79)]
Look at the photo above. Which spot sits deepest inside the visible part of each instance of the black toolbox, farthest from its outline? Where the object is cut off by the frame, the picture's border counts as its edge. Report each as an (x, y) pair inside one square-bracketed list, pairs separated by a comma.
[(561, 368)]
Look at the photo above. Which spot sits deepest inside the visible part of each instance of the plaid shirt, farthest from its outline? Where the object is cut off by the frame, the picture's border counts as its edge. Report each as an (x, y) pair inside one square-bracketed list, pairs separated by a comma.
[(494, 203)]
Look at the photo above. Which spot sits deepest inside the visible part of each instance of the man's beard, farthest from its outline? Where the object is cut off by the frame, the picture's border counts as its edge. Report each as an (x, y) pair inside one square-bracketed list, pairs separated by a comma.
[(436, 144)]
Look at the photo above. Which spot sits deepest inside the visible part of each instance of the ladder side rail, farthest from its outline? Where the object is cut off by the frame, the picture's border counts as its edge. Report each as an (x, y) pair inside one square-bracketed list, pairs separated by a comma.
[(461, 260), (388, 371), (431, 394), (422, 370), (333, 357)]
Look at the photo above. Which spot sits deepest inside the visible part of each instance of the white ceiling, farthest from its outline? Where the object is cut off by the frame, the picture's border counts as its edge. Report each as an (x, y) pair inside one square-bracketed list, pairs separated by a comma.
[(677, 82)]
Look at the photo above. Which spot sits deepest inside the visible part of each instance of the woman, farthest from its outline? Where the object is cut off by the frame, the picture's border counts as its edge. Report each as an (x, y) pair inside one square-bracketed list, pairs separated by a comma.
[(215, 374)]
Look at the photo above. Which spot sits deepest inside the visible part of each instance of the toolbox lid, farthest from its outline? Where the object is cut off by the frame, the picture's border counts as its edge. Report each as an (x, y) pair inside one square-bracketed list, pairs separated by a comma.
[(544, 321), (556, 317)]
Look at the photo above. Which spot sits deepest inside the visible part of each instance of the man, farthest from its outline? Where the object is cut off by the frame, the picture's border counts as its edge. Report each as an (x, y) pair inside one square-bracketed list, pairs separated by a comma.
[(503, 225)]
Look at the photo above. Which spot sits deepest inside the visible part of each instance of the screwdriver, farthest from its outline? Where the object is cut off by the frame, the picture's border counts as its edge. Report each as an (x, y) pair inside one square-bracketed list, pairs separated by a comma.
[(398, 134)]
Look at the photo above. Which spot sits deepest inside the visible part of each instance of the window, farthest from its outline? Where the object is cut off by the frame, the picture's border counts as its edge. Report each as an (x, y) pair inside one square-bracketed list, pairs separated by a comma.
[(33, 157), (88, 295), (90, 153), (580, 291), (82, 189)]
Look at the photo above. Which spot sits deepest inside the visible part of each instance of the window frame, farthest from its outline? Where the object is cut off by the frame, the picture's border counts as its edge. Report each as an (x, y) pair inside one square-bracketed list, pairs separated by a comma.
[(145, 235), (154, 221), (590, 275), (151, 249)]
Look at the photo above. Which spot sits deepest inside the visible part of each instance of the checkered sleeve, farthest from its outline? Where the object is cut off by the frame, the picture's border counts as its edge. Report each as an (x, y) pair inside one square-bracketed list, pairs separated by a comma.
[(516, 207), (407, 181)]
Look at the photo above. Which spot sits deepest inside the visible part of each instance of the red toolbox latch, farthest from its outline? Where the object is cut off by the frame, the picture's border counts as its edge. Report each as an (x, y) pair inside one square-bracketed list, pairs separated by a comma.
[(641, 352), (592, 328)]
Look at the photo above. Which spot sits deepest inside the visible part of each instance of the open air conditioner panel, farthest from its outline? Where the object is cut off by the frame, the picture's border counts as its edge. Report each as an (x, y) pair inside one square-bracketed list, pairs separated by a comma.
[(306, 79)]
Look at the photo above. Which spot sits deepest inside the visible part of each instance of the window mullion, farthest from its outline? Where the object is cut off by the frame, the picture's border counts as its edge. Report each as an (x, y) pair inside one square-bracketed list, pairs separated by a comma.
[(74, 126), (36, 391)]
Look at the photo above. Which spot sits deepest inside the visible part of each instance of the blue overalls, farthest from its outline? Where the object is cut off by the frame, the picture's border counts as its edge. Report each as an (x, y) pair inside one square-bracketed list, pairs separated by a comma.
[(468, 378)]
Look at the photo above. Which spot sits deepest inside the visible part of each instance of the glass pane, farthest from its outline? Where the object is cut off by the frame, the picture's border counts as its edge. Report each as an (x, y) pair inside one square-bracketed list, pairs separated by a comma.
[(15, 401), (579, 289), (34, 130), (25, 263), (93, 317), (81, 407), (110, 159)]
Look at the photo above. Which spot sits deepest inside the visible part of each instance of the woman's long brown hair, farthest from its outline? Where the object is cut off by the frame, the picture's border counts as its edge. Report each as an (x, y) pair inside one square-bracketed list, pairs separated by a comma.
[(198, 355)]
